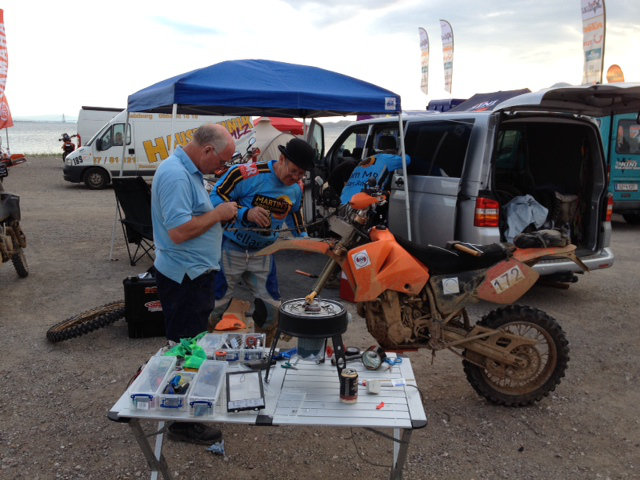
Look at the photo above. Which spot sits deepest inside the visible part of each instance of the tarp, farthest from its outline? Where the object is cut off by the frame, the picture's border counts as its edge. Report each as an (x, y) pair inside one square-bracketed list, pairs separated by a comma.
[(264, 87), (286, 125)]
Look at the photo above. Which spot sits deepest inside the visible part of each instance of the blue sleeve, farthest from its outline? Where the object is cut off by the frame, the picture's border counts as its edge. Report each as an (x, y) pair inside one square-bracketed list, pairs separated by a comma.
[(229, 189), (175, 197), (294, 220)]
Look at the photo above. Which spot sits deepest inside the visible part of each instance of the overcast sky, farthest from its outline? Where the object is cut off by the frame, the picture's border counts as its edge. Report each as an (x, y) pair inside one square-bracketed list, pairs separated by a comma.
[(65, 54)]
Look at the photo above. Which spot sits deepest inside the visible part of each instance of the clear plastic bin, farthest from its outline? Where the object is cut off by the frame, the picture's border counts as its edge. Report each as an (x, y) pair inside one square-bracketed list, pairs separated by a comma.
[(212, 342), (206, 388), (176, 401), (145, 389)]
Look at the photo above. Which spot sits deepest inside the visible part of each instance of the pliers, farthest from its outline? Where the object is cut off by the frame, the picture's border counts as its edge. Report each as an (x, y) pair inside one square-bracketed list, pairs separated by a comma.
[(288, 364)]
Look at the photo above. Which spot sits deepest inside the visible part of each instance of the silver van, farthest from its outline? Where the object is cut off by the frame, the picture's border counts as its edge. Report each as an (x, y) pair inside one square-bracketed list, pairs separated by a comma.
[(466, 166)]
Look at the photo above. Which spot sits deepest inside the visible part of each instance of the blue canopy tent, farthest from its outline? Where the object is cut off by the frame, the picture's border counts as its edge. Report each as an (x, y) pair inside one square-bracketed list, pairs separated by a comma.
[(268, 88)]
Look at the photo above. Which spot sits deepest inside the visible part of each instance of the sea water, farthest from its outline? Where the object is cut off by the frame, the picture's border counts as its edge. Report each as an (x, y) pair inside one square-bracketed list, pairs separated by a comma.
[(32, 138)]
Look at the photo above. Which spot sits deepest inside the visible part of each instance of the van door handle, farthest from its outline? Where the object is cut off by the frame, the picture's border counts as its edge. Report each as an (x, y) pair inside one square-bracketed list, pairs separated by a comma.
[(400, 182), (132, 151)]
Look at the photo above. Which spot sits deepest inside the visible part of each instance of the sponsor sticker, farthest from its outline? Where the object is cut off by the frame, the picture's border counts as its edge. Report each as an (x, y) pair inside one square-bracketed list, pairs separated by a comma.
[(361, 259), (507, 279), (390, 103), (153, 306)]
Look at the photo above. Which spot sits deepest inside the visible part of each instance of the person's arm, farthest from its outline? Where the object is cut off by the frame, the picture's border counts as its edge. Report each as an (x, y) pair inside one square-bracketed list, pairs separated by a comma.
[(174, 196), (201, 224)]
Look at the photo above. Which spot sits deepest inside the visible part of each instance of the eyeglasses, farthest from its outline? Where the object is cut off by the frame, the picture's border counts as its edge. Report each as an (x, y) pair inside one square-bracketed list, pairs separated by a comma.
[(294, 170)]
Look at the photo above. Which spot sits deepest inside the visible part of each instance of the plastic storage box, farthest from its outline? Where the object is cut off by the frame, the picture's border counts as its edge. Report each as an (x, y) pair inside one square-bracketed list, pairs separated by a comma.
[(145, 389), (206, 388), (238, 346), (176, 401)]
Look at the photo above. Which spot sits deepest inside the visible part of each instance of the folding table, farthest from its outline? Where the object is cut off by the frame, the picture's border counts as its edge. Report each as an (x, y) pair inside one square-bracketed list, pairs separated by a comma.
[(307, 396)]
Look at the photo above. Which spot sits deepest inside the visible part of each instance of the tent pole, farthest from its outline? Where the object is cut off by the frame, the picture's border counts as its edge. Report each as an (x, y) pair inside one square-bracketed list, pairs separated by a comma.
[(406, 177), (6, 130), (174, 114), (115, 218)]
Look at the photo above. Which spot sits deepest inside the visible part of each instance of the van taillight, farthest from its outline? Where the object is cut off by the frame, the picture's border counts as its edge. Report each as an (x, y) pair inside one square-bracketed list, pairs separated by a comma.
[(487, 213), (609, 207)]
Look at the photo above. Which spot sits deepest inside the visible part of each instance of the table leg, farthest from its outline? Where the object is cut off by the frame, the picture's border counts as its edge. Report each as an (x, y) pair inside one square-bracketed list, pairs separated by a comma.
[(400, 451), (156, 464)]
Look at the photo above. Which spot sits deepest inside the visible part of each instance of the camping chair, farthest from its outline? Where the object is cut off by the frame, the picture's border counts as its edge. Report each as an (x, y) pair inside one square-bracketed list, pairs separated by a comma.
[(134, 204)]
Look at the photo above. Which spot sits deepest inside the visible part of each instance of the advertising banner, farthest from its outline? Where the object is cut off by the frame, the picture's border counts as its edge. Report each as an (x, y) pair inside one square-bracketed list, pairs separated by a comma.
[(447, 53), (593, 36), (5, 114), (424, 60), (614, 74)]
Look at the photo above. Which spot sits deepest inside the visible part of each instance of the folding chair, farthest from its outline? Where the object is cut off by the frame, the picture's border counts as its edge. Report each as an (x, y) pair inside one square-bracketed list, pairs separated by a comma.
[(134, 209)]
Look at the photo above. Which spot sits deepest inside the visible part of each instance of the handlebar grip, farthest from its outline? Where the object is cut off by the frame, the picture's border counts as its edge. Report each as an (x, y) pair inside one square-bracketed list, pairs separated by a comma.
[(465, 249)]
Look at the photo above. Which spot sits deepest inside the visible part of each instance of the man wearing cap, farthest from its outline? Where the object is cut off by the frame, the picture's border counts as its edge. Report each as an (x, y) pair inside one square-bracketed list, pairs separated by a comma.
[(268, 196)]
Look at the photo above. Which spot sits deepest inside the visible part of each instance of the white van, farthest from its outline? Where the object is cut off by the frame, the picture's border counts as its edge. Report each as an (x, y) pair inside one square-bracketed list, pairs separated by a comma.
[(148, 142), (92, 119)]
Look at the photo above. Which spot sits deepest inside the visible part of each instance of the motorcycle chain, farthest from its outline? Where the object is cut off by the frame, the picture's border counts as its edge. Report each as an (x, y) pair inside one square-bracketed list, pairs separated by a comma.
[(86, 322)]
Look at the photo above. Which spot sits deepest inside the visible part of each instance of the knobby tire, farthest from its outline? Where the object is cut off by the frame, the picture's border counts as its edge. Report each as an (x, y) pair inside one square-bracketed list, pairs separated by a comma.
[(86, 322)]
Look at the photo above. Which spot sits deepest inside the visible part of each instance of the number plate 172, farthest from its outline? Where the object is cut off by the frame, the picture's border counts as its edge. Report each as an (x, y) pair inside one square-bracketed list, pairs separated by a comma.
[(507, 280)]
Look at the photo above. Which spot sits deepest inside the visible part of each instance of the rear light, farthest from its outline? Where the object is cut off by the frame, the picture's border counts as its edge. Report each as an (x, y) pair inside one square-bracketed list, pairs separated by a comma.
[(487, 213), (609, 207)]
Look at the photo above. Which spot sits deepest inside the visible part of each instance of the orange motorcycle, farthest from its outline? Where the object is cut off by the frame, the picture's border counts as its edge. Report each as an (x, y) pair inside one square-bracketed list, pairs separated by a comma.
[(414, 296)]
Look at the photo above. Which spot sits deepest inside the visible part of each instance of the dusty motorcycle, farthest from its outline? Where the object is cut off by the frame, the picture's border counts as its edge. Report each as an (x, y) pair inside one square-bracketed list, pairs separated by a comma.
[(251, 155), (415, 296), (12, 238)]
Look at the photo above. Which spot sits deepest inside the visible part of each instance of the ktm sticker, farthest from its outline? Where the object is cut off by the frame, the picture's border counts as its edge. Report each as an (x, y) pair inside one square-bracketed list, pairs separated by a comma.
[(361, 259), (154, 306), (450, 286), (507, 280)]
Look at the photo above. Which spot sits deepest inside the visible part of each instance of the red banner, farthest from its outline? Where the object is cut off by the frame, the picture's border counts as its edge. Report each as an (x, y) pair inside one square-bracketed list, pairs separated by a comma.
[(5, 114)]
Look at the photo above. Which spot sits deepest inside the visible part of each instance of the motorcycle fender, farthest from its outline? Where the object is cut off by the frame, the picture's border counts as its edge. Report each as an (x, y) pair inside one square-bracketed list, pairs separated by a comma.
[(383, 265), (507, 281), (531, 256), (303, 244)]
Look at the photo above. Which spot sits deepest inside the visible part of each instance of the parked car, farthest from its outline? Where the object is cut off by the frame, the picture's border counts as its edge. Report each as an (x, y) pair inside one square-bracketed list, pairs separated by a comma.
[(466, 165)]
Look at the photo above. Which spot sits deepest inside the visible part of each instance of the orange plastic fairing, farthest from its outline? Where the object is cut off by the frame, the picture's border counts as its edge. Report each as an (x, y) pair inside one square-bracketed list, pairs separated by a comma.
[(306, 245), (383, 265), (506, 282), (528, 254)]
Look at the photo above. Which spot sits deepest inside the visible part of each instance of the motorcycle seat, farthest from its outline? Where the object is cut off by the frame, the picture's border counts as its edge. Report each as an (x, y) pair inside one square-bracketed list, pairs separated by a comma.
[(441, 260)]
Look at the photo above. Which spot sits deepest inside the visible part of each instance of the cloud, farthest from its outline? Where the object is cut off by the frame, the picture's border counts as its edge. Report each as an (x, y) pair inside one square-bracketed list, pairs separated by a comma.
[(185, 28)]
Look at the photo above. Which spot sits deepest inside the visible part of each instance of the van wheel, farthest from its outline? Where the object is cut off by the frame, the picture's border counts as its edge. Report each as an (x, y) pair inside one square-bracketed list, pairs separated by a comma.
[(632, 218), (96, 178)]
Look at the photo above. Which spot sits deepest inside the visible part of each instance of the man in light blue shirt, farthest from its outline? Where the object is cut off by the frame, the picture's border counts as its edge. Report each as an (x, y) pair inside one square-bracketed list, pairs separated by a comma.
[(188, 236)]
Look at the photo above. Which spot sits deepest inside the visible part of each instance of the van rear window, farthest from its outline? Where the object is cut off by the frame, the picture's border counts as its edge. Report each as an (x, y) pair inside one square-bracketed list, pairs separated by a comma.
[(438, 148)]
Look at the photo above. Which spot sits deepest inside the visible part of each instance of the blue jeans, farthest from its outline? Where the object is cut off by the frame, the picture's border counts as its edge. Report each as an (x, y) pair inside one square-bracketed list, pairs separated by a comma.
[(186, 306)]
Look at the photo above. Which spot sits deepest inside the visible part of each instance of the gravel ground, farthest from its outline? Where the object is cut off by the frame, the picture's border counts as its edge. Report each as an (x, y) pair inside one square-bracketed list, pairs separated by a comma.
[(55, 397)]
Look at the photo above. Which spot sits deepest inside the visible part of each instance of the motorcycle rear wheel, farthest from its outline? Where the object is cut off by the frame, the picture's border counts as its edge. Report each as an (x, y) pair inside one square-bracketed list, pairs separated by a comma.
[(20, 263), (86, 322), (545, 366)]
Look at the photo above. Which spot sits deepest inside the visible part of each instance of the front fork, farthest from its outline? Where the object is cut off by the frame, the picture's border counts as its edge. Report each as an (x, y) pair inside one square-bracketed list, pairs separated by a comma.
[(327, 271)]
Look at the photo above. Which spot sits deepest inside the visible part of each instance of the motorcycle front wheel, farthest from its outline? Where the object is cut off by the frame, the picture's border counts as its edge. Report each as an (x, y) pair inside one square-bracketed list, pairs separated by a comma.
[(544, 363), (86, 322), (20, 263)]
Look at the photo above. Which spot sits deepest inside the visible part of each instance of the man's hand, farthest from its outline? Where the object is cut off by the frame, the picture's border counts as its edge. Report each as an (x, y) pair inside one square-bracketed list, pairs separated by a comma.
[(259, 216), (227, 211)]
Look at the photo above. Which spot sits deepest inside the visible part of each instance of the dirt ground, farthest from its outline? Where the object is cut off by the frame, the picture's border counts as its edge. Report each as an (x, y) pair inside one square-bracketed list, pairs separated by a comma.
[(55, 397)]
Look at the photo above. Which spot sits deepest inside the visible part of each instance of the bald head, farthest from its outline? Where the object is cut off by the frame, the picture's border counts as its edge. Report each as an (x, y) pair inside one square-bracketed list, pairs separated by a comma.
[(212, 146)]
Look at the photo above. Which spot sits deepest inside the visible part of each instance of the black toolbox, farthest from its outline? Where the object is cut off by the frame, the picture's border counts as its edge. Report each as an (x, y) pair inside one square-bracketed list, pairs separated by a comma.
[(142, 308)]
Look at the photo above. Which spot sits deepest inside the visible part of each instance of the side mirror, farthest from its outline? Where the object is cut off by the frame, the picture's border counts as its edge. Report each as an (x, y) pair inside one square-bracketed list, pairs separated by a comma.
[(252, 140), (99, 144)]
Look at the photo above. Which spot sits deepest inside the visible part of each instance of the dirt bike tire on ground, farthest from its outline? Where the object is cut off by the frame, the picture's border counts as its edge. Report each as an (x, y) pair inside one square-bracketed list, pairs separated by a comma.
[(20, 263), (518, 318), (86, 322)]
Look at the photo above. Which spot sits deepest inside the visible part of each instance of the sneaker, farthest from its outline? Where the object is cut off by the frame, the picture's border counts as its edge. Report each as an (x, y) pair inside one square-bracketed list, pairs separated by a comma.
[(194, 433)]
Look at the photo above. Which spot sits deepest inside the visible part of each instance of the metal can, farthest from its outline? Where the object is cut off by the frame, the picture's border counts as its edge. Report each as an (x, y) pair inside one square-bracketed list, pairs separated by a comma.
[(221, 355), (348, 386)]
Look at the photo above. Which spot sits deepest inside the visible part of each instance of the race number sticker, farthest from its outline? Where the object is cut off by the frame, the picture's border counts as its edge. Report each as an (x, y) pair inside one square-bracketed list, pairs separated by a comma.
[(361, 259), (450, 286), (507, 280)]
